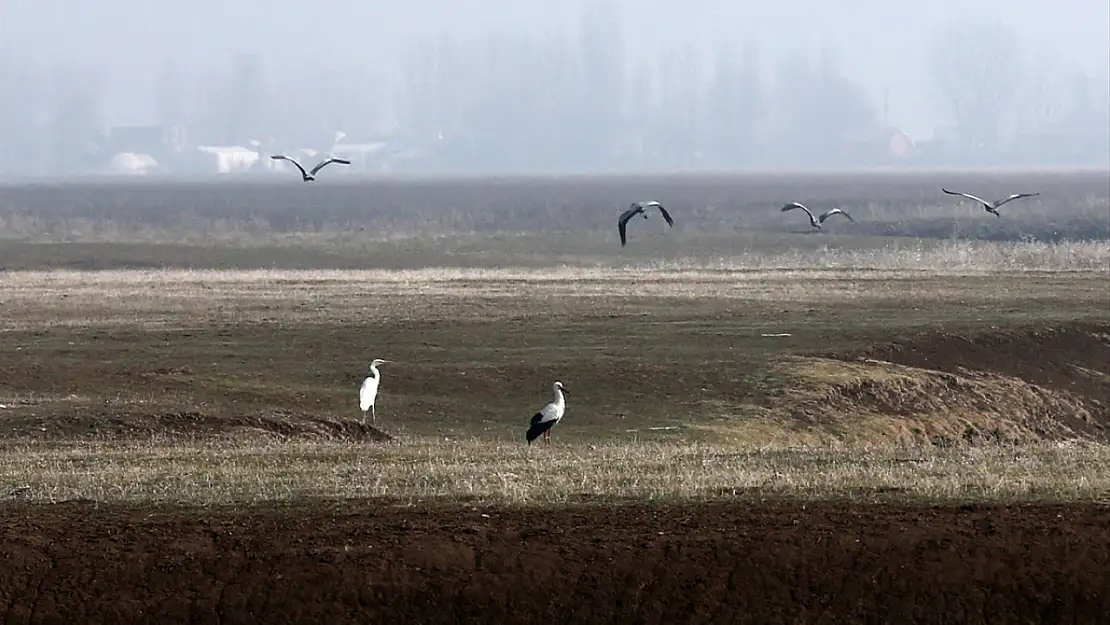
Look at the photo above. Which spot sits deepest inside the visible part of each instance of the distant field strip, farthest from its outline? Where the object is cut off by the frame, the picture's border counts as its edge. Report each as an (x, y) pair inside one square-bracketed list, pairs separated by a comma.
[(959, 272), (427, 471)]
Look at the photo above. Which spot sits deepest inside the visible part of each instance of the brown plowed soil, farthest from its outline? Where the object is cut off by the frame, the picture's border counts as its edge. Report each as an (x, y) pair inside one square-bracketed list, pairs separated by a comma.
[(1011, 386), (1065, 358), (373, 563)]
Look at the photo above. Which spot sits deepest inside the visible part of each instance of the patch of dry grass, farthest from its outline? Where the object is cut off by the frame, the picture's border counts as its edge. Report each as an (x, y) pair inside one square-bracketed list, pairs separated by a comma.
[(497, 473), (858, 400), (186, 298)]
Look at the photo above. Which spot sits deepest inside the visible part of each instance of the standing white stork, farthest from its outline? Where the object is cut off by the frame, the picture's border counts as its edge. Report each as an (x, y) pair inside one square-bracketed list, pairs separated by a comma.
[(548, 416), (311, 175), (816, 223), (369, 391), (991, 207), (638, 208)]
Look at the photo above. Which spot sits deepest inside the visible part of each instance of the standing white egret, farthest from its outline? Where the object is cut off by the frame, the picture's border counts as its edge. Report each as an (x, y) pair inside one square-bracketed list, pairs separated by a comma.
[(991, 207), (816, 223), (311, 175), (638, 208), (548, 416), (369, 391)]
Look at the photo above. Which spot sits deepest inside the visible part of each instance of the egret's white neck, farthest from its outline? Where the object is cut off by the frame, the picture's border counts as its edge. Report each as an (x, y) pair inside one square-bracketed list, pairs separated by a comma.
[(374, 373)]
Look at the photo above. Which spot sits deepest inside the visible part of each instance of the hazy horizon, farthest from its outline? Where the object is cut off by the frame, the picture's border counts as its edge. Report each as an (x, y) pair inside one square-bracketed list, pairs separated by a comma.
[(879, 45), (87, 66)]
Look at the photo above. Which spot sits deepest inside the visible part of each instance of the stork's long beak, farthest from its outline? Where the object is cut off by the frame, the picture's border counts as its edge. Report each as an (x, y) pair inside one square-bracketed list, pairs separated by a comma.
[(563, 389)]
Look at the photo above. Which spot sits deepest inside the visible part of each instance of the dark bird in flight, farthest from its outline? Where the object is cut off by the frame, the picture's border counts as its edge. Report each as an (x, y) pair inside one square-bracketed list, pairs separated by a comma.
[(311, 175), (637, 208), (816, 223), (991, 207)]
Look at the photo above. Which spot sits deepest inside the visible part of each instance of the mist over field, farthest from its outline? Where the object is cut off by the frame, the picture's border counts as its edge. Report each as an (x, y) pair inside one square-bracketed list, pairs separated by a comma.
[(500, 85), (894, 408)]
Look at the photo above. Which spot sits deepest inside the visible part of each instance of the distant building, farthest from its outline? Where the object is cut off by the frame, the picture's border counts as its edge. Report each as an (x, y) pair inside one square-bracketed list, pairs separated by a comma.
[(155, 140), (883, 144), (363, 156), (130, 163), (223, 159)]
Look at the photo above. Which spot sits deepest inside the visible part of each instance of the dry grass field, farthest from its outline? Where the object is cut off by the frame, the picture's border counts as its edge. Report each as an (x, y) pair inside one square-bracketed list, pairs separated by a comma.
[(179, 366)]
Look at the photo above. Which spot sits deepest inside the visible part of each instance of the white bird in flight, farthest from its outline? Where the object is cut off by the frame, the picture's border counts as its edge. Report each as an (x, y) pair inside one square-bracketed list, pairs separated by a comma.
[(548, 416), (369, 391), (638, 208), (310, 175), (991, 207), (816, 223)]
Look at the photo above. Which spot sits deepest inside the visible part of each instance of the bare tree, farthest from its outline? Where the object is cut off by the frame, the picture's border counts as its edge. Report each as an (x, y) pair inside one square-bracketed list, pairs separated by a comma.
[(75, 119), (602, 45), (1044, 97), (169, 94), (817, 108), (23, 94), (735, 103), (680, 125), (977, 74), (248, 116)]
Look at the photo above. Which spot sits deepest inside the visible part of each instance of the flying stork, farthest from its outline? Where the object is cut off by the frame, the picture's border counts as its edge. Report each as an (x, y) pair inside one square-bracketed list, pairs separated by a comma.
[(991, 207), (638, 208), (311, 175), (816, 223), (548, 416)]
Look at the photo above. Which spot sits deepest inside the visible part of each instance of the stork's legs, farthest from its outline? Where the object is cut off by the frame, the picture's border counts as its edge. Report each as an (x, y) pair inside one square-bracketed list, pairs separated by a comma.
[(547, 437)]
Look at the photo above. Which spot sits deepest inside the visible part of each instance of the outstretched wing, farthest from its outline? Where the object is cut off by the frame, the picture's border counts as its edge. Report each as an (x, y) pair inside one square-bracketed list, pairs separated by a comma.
[(835, 211), (622, 221), (792, 205), (329, 161), (282, 157), (1016, 196), (967, 195), (666, 215)]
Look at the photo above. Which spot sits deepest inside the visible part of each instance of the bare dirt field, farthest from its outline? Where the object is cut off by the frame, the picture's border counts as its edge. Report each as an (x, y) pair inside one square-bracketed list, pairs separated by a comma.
[(710, 563), (902, 419)]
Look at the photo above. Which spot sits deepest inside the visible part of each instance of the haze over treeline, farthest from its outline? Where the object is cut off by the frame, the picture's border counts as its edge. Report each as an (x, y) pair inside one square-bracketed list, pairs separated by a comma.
[(520, 85)]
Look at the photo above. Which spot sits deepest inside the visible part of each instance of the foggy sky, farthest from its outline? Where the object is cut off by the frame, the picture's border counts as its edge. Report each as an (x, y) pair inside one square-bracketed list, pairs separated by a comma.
[(880, 43)]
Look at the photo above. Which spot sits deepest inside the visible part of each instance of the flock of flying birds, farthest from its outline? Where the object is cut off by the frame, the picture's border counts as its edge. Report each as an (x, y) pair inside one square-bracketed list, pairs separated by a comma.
[(640, 208), (552, 413)]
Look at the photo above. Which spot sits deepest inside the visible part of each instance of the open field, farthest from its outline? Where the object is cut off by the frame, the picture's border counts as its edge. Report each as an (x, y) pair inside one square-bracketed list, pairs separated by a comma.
[(405, 223), (929, 443)]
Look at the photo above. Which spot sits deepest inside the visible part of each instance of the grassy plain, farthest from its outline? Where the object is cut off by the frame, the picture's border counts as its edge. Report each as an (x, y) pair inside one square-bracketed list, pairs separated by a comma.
[(204, 343)]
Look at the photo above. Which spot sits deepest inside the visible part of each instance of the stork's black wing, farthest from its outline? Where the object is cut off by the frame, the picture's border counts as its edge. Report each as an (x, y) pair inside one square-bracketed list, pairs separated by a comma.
[(622, 222), (282, 157), (666, 215), (327, 162)]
